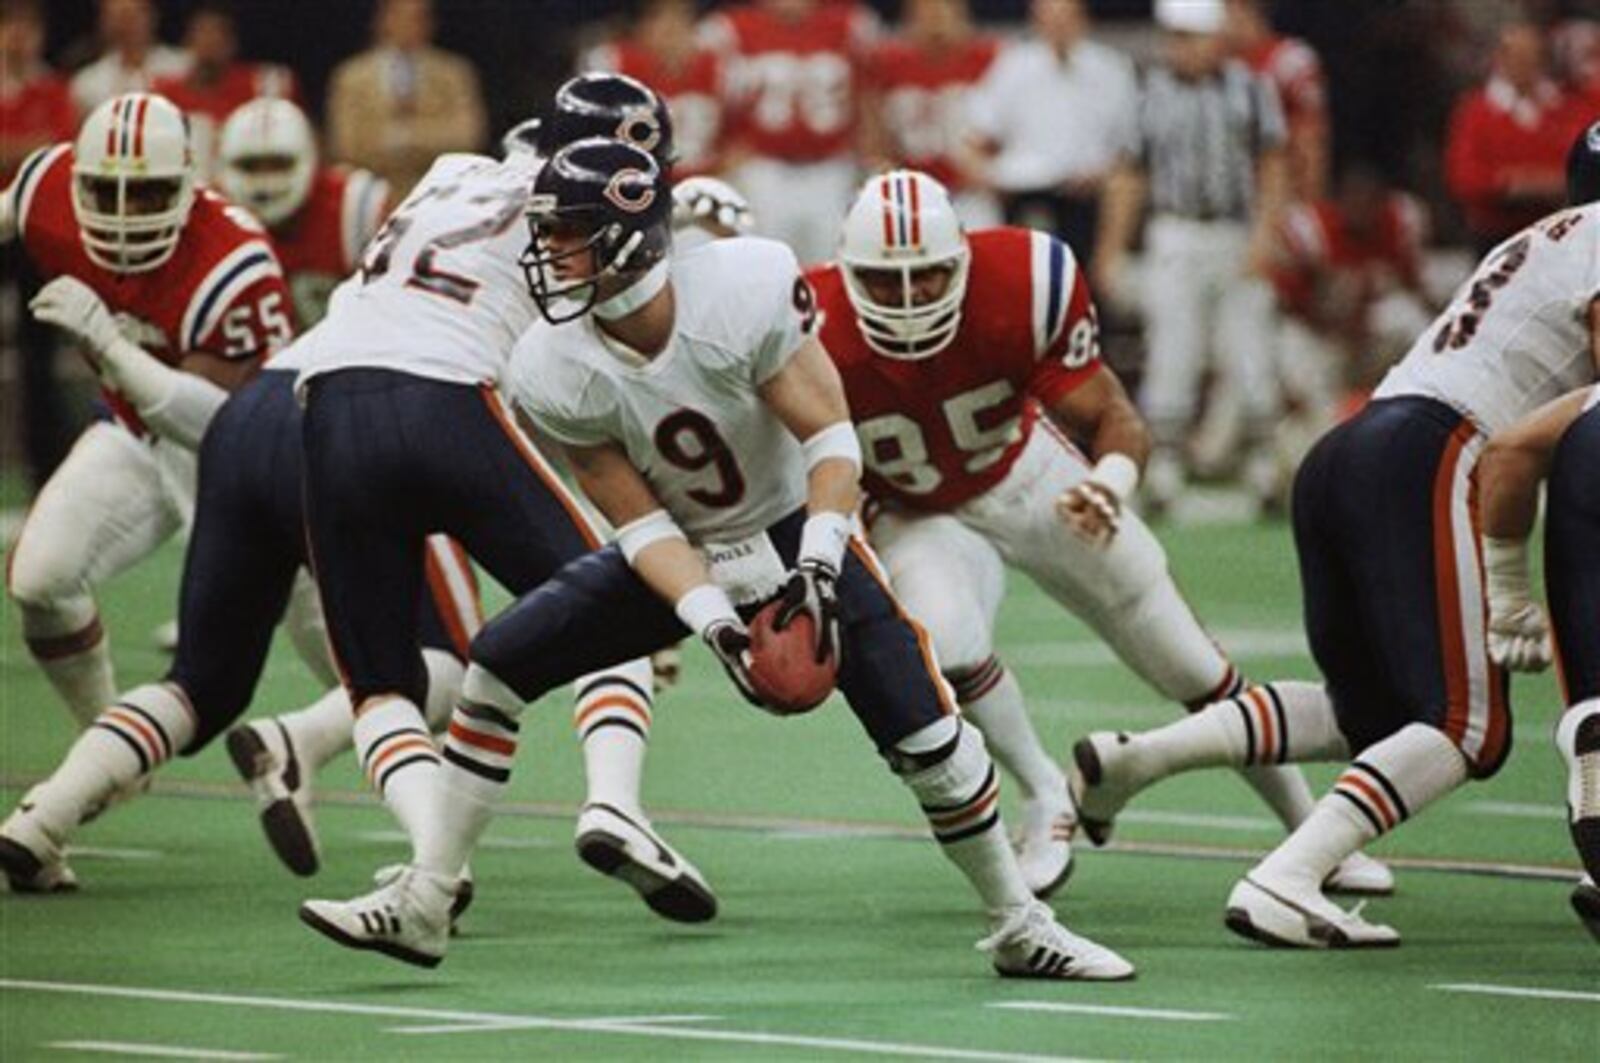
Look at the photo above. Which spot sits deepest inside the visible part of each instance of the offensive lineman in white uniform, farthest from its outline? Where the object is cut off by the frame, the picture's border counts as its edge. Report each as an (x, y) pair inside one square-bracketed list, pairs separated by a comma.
[(703, 418), (1395, 582), (405, 435)]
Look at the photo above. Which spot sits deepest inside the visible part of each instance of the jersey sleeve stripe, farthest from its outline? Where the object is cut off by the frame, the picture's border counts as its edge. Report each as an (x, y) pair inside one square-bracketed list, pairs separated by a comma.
[(232, 275), (28, 180), (1054, 278)]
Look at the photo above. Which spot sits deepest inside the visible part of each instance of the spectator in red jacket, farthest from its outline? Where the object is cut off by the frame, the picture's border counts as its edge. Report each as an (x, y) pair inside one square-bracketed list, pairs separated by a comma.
[(1507, 143)]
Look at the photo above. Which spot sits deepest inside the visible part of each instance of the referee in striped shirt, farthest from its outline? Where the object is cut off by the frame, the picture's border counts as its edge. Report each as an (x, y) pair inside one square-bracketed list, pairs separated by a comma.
[(1210, 162)]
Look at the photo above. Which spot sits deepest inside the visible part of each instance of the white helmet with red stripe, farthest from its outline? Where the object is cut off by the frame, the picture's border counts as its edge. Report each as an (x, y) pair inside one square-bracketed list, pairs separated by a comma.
[(268, 158), (905, 258), (132, 182)]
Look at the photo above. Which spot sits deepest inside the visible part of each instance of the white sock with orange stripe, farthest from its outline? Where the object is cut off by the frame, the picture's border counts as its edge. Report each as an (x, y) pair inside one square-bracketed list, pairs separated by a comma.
[(612, 718), (399, 759), (1390, 782), (991, 698), (143, 730), (948, 769), (479, 748), (1274, 723), (1283, 788)]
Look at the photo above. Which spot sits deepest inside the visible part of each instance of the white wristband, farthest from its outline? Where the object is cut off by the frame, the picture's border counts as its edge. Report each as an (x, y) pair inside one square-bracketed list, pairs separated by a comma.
[(1117, 473), (653, 527), (824, 538), (1505, 568), (704, 606), (838, 440)]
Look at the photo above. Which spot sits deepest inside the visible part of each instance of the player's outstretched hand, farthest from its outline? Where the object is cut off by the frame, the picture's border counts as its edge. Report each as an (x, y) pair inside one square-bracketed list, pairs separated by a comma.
[(810, 591), (1092, 511), (1519, 638), (712, 202), (730, 641), (72, 306)]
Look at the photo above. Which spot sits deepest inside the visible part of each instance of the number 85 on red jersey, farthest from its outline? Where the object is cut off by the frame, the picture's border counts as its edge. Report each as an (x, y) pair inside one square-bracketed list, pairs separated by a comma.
[(940, 430)]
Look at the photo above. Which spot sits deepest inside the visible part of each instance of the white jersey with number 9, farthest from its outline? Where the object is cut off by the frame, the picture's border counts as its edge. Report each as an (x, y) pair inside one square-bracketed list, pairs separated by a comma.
[(691, 419)]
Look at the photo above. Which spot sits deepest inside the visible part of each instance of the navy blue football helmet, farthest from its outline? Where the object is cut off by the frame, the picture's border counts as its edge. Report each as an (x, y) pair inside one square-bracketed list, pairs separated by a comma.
[(613, 195), (608, 105), (1583, 167)]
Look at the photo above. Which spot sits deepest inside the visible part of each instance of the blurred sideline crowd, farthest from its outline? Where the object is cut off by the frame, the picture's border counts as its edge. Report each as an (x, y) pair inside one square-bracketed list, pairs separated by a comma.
[(1253, 281)]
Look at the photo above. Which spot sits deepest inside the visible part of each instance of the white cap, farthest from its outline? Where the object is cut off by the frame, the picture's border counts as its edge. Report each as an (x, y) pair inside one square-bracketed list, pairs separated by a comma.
[(1190, 16)]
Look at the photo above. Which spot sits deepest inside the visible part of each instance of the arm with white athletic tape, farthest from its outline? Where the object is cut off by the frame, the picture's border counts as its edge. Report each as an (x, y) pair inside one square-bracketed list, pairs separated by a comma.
[(657, 550), (176, 404), (1512, 468), (808, 397)]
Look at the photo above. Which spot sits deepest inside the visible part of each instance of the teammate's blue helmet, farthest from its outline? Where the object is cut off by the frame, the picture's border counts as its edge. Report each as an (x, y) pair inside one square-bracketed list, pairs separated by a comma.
[(608, 105), (614, 195), (1583, 167)]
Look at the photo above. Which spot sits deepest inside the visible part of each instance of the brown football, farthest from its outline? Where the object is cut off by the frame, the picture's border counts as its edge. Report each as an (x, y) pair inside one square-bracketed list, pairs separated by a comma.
[(783, 665)]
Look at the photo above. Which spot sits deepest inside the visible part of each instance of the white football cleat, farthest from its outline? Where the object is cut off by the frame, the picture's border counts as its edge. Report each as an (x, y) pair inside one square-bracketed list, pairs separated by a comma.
[(1105, 777), (1278, 912), (1032, 944), (1360, 875), (624, 847), (466, 890), (32, 860), (1044, 843), (1586, 903), (408, 918), (265, 758)]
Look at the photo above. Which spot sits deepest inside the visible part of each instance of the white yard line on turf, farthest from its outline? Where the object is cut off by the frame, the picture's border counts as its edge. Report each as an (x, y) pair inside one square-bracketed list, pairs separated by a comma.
[(488, 1021), (487, 842), (1159, 1014), (1516, 809), (129, 1048), (618, 1020), (99, 852), (1519, 991)]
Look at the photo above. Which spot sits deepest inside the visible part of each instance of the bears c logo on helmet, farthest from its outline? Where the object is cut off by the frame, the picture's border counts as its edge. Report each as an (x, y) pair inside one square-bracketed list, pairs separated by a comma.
[(640, 127), (631, 191)]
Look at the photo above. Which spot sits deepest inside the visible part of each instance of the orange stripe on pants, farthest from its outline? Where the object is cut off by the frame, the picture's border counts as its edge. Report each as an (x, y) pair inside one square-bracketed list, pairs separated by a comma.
[(1448, 589)]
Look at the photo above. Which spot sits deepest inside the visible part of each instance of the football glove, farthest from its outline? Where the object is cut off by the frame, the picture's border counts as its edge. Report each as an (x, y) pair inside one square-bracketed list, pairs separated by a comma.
[(72, 306), (1519, 637), (730, 642), (706, 199), (810, 590)]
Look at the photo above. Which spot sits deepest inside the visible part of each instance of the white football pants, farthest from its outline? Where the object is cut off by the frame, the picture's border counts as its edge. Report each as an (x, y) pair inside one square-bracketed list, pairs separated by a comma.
[(948, 571)]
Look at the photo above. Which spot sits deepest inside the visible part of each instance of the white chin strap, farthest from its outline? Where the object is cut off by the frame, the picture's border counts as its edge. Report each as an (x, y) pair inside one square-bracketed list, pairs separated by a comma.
[(634, 295)]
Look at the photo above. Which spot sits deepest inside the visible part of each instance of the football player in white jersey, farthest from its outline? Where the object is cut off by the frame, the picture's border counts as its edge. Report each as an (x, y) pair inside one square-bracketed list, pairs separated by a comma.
[(702, 416), (1393, 574), (405, 435)]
